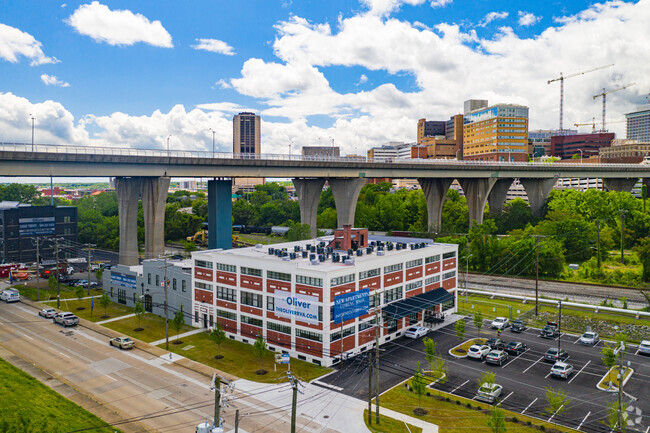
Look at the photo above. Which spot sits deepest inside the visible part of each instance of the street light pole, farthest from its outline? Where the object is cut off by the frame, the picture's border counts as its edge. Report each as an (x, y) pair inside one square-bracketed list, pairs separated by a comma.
[(33, 118), (166, 309), (467, 274), (559, 337), (622, 211), (213, 134), (168, 145), (580, 155)]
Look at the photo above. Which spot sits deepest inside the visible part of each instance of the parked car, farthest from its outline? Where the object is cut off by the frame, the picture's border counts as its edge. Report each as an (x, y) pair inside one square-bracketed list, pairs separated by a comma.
[(644, 347), (496, 357), (84, 283), (48, 313), (10, 295), (518, 326), (551, 330), (500, 323), (561, 369), (516, 348), (66, 319), (554, 354), (478, 351), (122, 342), (489, 392), (495, 344), (70, 270), (416, 332), (589, 338)]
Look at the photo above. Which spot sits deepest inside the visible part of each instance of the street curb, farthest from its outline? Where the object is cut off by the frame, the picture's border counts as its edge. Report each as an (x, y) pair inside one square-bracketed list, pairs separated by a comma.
[(457, 346), (614, 388)]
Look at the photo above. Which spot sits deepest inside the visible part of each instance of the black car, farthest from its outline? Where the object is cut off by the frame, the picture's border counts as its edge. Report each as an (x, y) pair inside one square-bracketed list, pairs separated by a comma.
[(495, 344), (518, 326), (551, 330), (516, 348), (554, 355)]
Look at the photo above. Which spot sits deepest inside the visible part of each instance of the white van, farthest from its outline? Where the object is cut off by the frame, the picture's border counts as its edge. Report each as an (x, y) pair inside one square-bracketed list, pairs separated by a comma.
[(10, 295)]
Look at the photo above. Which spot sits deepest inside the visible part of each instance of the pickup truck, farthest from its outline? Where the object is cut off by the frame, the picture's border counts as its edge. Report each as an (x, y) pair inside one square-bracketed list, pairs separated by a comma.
[(66, 319)]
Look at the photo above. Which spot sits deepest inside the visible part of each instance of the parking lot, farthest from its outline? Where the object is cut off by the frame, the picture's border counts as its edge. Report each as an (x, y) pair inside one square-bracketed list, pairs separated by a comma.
[(524, 378)]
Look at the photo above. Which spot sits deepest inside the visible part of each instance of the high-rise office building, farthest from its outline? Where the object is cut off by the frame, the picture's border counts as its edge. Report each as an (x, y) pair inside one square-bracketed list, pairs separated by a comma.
[(442, 138), (246, 143), (638, 124), (496, 133)]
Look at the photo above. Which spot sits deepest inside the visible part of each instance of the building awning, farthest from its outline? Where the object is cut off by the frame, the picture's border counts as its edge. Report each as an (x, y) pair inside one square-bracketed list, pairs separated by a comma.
[(417, 303)]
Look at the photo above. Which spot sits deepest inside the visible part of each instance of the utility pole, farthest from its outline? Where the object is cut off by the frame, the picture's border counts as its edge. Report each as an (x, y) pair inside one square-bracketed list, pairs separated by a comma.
[(559, 337), (89, 256), (58, 293), (369, 387), (622, 211), (38, 269), (166, 309), (237, 421), (598, 245), (294, 401), (216, 383), (467, 274), (537, 237), (377, 356), (621, 350)]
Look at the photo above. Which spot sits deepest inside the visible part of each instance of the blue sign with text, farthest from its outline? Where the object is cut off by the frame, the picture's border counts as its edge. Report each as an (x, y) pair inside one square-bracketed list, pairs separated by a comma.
[(119, 279), (351, 305)]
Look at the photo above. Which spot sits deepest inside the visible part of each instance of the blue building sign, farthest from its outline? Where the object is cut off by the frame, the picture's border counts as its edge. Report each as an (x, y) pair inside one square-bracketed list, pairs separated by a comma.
[(351, 305), (119, 279), (36, 226)]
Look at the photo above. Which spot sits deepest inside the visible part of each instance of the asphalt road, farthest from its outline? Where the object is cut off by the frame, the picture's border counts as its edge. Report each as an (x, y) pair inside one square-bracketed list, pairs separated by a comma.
[(524, 378)]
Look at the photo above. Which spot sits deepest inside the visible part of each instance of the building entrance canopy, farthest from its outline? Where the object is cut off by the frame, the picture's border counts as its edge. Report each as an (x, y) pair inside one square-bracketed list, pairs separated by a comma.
[(417, 303)]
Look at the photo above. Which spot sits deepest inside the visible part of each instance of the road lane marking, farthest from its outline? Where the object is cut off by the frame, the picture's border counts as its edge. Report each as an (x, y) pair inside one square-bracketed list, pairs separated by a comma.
[(583, 420), (27, 336), (459, 386), (506, 397), (63, 354), (541, 357), (531, 403), (576, 375)]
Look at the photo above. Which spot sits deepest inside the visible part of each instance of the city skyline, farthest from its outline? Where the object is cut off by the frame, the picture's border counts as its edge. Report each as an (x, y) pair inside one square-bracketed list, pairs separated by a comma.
[(117, 74)]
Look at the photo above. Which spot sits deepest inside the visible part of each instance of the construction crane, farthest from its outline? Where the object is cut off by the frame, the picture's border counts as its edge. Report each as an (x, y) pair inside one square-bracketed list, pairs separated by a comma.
[(604, 96), (561, 79), (593, 124)]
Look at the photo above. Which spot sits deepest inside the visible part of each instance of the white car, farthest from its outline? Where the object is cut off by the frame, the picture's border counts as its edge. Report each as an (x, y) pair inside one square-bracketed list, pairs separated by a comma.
[(589, 338), (500, 323), (48, 313), (562, 369), (489, 392), (644, 347), (478, 351), (10, 295), (416, 332)]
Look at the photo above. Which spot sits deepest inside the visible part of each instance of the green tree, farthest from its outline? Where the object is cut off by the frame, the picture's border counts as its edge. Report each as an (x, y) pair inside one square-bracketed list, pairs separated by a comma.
[(99, 273), (643, 252), (610, 355), (260, 349), (430, 350), (484, 245), (497, 420), (486, 379), (419, 386), (138, 310), (298, 232), (327, 219), (79, 292), (177, 323), (516, 215), (105, 301), (612, 417), (23, 193), (557, 401), (455, 214), (51, 282), (218, 336), (188, 247), (459, 327), (478, 322)]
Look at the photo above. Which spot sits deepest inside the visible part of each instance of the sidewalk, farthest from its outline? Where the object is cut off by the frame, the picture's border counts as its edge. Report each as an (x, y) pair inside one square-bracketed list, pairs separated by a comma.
[(113, 319), (425, 426), (172, 338)]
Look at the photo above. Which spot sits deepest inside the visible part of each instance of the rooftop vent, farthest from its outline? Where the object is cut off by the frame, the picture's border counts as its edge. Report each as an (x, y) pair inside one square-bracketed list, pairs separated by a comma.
[(380, 253)]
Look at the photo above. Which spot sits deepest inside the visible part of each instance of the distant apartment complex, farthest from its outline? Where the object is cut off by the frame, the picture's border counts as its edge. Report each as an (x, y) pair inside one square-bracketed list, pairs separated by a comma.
[(540, 140), (246, 142), (582, 145), (638, 124)]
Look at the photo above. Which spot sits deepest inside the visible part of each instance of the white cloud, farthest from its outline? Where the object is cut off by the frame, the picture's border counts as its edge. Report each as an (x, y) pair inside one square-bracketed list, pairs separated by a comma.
[(440, 3), (528, 19), (385, 7), (214, 46), (14, 43), (222, 84), (64, 5), (362, 79), (52, 80), (487, 19), (118, 27), (223, 107)]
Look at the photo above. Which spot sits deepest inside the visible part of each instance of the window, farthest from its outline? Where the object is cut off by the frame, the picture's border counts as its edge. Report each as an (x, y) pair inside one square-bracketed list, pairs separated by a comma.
[(251, 299), (309, 281), (203, 264), (392, 268), (226, 294), (149, 278), (251, 271), (202, 286), (346, 332), (413, 263), (448, 304), (157, 280), (134, 298), (226, 314), (366, 325), (174, 284), (432, 280), (309, 335), (66, 219), (278, 276), (432, 259), (449, 255), (270, 303), (211, 321), (371, 299), (367, 274), (196, 316), (271, 326), (251, 321), (121, 296), (337, 281), (413, 285), (392, 294), (184, 285), (447, 275), (227, 268)]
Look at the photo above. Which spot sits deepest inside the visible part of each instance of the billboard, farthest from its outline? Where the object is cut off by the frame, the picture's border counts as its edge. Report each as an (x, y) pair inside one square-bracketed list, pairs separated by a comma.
[(119, 279), (299, 307), (36, 226), (351, 305)]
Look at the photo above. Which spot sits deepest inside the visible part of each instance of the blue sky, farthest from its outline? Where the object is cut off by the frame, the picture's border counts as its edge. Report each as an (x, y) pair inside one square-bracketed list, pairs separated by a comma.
[(118, 73)]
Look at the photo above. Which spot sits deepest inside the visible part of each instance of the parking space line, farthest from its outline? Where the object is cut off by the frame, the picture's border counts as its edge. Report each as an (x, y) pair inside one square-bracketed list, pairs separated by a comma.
[(551, 417), (531, 403), (546, 377), (576, 375), (584, 419), (459, 386), (63, 354), (506, 397), (508, 363), (540, 358), (597, 343), (577, 341)]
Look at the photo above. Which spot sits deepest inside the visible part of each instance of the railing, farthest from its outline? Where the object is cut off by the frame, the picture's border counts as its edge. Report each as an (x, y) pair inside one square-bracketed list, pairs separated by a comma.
[(127, 151)]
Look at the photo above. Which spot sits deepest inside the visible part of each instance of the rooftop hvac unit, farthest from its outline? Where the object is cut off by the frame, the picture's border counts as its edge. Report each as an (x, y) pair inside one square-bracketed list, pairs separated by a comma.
[(304, 254), (349, 262), (398, 247), (321, 257), (312, 249), (380, 252), (359, 253), (315, 262), (285, 258), (308, 246), (389, 247), (336, 258), (372, 243), (368, 250), (296, 248), (350, 251), (271, 251), (321, 244), (312, 257), (292, 256), (258, 246)]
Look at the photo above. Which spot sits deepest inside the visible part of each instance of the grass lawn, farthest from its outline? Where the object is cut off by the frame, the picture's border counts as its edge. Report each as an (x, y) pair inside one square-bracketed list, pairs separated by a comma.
[(113, 309), (239, 359), (491, 308), (153, 327), (42, 409), (388, 425), (612, 375), (260, 239), (66, 292), (452, 417), (461, 349)]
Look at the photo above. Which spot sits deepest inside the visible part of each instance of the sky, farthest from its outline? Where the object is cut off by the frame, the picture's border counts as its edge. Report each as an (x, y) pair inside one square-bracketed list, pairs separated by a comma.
[(355, 73)]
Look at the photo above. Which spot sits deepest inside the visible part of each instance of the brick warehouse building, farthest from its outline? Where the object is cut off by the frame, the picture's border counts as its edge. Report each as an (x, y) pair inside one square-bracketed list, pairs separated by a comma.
[(287, 293)]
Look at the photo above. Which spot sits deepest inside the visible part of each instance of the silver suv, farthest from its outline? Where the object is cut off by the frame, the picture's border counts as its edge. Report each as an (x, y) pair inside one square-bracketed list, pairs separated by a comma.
[(66, 319)]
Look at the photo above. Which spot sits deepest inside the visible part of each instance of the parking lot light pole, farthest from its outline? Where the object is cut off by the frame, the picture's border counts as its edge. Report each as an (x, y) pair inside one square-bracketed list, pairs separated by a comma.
[(467, 274), (559, 327)]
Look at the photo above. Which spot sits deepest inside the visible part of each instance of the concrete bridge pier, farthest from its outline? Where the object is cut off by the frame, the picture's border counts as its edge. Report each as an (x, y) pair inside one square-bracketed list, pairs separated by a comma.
[(128, 196), (435, 193), (537, 191), (220, 214), (476, 191), (154, 199), (498, 195), (346, 193), (621, 185), (308, 192)]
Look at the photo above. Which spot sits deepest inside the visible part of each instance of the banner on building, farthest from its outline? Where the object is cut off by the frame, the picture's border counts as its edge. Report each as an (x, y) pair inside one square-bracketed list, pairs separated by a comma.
[(122, 280), (36, 226), (299, 307), (351, 305)]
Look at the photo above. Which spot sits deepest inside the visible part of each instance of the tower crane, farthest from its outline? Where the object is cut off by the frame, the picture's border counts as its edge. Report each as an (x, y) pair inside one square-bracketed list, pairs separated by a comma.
[(593, 124), (604, 95), (561, 79)]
